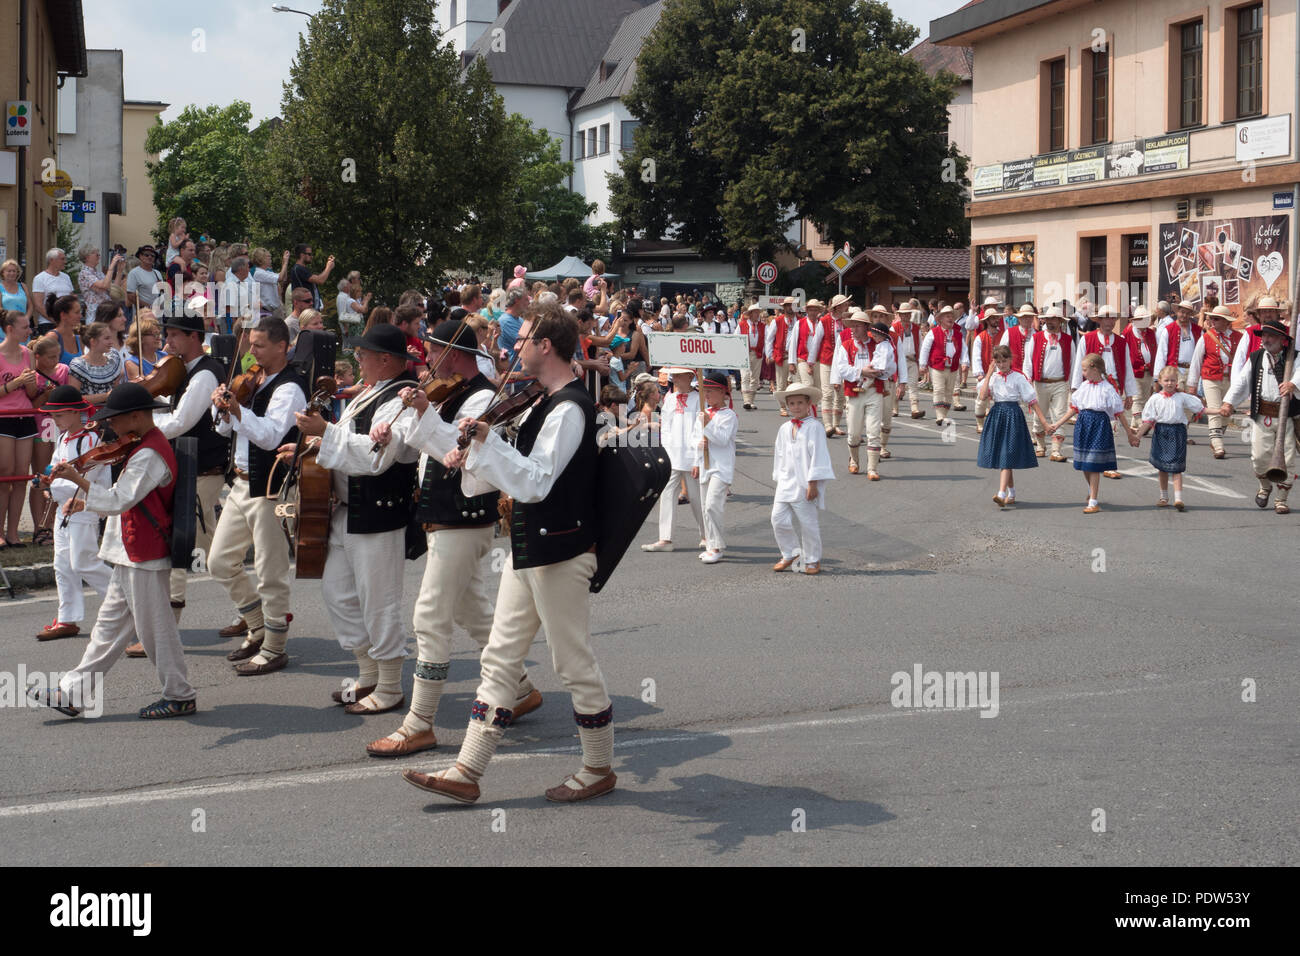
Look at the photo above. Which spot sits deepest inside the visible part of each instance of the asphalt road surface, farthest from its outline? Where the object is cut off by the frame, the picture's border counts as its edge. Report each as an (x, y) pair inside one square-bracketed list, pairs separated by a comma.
[(1146, 697)]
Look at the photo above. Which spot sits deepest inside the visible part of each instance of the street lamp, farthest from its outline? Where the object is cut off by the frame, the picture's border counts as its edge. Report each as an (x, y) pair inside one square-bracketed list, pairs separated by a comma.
[(281, 8)]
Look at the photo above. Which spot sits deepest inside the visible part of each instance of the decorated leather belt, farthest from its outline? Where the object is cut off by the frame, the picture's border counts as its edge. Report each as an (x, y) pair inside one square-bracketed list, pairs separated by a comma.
[(241, 474), (1051, 381), (1269, 409), (219, 470), (430, 526), (1184, 365)]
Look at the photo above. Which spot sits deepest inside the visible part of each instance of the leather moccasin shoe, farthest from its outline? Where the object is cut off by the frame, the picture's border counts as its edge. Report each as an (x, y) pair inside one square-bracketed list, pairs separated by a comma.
[(233, 630), (409, 744), (527, 704), (245, 651), (135, 650), (451, 789), (250, 669), (354, 694), (566, 794)]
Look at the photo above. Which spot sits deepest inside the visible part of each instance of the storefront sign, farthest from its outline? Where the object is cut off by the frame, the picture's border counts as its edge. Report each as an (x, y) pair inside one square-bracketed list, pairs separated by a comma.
[(1234, 260), (1264, 138), (18, 123), (1093, 164)]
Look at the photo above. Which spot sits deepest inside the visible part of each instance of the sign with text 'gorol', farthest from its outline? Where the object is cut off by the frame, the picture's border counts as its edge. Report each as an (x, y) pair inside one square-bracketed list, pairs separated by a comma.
[(698, 350)]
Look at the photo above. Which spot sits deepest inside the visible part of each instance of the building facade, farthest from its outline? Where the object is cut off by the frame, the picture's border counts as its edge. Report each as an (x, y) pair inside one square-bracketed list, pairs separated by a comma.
[(139, 215), (91, 143), (1129, 153)]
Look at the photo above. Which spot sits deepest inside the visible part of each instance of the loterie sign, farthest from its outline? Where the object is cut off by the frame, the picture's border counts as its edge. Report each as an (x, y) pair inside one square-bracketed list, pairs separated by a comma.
[(698, 350)]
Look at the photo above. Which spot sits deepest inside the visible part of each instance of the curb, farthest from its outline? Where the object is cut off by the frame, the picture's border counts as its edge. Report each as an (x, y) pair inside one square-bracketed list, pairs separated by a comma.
[(30, 577)]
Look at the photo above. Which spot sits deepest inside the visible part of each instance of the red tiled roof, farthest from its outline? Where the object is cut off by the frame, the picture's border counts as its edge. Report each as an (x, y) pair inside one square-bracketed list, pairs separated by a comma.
[(915, 264), (954, 59)]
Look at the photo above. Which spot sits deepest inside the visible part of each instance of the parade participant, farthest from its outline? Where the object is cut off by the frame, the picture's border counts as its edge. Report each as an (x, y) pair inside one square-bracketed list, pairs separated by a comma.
[(896, 384), (775, 349), (1166, 412), (805, 344), (755, 332), (1175, 345), (1264, 308), (981, 359), (1211, 369), (832, 390), (681, 407), (1018, 332), (715, 429), (550, 473), (864, 362), (943, 353), (1005, 443), (1047, 366), (137, 544), (1163, 318), (1140, 338), (362, 579), (1262, 380), (76, 546), (801, 467), (1114, 353), (907, 332), (248, 516), (459, 532), (1096, 401)]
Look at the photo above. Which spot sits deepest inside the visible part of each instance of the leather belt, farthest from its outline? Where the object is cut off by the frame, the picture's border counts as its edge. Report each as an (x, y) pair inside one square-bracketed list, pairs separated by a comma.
[(1184, 365), (430, 526), (1051, 381), (1269, 409), (219, 470), (241, 474)]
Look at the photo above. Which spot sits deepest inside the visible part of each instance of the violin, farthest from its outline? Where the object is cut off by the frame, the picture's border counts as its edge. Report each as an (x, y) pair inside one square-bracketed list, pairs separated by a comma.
[(243, 387), (507, 410), (166, 377), (436, 390), (108, 453)]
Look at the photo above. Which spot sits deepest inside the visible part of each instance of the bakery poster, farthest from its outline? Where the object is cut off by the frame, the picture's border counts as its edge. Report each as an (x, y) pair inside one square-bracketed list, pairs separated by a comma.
[(1233, 261)]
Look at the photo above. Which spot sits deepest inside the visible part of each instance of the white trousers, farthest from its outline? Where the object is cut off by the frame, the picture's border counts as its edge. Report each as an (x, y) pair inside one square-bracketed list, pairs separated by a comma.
[(943, 383), (76, 556), (245, 521), (808, 540), (809, 374), (864, 414), (668, 503), (136, 607), (832, 398), (714, 492), (1144, 388), (782, 380), (555, 598), (362, 588), (1054, 402), (1214, 392), (913, 378), (1263, 438), (453, 592), (749, 378), (209, 494)]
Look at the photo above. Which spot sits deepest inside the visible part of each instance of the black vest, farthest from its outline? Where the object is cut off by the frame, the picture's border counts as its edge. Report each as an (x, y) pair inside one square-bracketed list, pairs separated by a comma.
[(261, 461), (214, 451), (1256, 361), (441, 501), (563, 524), (378, 503)]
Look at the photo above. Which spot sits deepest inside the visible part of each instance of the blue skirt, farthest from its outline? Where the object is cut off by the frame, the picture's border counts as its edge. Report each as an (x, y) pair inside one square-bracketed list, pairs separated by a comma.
[(1005, 442), (1094, 445), (1169, 448)]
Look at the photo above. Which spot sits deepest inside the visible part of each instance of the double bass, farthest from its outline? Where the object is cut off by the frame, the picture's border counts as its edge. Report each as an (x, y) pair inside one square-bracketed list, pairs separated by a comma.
[(306, 492)]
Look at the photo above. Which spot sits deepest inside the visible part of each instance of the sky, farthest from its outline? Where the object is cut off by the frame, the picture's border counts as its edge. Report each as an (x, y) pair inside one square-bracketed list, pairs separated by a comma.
[(245, 48)]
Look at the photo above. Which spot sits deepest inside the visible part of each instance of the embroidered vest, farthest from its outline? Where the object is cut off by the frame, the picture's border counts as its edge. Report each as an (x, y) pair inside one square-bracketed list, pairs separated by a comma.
[(778, 341), (854, 389), (939, 358), (1135, 341), (1173, 342), (827, 353), (1092, 344), (1038, 353), (441, 500), (1213, 366), (144, 542)]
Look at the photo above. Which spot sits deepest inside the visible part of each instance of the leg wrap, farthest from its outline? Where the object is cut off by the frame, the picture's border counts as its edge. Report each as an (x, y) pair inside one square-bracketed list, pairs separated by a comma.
[(480, 744), (597, 746), (367, 667), (252, 614)]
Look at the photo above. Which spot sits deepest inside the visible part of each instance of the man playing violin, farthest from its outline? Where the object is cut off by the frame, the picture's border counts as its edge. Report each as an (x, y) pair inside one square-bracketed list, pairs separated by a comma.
[(550, 472), (459, 529), (362, 579), (137, 543), (262, 421)]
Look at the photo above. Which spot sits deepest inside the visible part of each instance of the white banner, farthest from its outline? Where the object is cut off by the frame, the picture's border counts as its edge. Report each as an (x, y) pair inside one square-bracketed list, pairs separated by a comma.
[(770, 301), (698, 350)]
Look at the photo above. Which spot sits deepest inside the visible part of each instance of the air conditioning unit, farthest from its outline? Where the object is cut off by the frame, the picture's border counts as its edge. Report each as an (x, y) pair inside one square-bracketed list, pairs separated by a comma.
[(1183, 210)]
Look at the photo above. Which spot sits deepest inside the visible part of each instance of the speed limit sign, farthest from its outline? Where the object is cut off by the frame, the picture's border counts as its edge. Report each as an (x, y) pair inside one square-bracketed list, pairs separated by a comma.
[(767, 273)]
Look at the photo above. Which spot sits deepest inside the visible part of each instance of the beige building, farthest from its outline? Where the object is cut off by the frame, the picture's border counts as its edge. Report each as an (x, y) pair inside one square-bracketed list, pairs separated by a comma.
[(139, 216), (1131, 151)]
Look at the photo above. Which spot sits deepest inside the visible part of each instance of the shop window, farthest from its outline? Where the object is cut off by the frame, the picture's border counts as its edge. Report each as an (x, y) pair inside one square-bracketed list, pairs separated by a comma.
[(1006, 272)]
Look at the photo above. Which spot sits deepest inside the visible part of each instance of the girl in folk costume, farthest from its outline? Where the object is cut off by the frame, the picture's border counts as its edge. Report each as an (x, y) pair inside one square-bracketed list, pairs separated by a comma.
[(981, 359), (906, 334), (1261, 383), (801, 467), (1211, 368), (1004, 443), (1140, 338), (1047, 365), (1103, 341), (864, 362), (832, 388), (1175, 345), (776, 349), (680, 408), (715, 429), (1166, 412), (1096, 401), (943, 353), (755, 333)]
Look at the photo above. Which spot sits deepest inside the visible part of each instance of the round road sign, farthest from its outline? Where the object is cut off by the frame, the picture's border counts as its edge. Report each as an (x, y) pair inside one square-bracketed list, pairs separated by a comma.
[(767, 273)]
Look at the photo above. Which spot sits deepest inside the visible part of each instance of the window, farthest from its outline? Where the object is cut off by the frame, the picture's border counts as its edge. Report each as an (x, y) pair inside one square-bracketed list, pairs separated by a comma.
[(604, 138), (578, 152), (1056, 116), (1006, 272), (1250, 61), (453, 13), (591, 141), (626, 133), (1100, 96), (1096, 251), (1190, 74)]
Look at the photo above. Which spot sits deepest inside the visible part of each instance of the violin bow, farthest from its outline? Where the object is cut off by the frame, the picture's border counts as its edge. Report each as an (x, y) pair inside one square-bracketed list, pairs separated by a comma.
[(432, 374)]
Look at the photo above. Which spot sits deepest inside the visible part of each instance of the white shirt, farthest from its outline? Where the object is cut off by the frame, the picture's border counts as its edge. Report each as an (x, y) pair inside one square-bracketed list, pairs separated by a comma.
[(239, 295), (954, 346), (721, 432), (1097, 397), (675, 429), (433, 437), (906, 347), (196, 401), (144, 472), (1186, 345), (800, 457), (344, 305), (61, 490), (44, 283), (1053, 354), (813, 341), (1239, 393), (1241, 355), (268, 287), (1172, 409), (977, 357), (266, 431), (1132, 334), (881, 361), (495, 464), (1012, 387), (1129, 385), (346, 453)]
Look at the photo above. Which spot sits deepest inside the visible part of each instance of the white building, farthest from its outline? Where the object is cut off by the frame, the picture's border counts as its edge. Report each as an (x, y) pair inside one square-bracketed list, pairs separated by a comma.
[(90, 143)]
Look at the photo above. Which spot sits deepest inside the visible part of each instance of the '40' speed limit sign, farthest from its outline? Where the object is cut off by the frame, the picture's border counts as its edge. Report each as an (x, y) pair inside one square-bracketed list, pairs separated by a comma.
[(767, 273)]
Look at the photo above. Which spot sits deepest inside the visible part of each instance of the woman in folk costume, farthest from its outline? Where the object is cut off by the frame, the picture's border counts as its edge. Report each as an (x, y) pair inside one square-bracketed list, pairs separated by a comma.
[(677, 417), (981, 359), (1166, 413), (1096, 401), (1004, 443), (906, 333), (1103, 341), (1176, 343), (1140, 338), (943, 353), (1211, 369), (1047, 365), (801, 467), (1262, 384), (863, 363), (755, 333), (776, 349)]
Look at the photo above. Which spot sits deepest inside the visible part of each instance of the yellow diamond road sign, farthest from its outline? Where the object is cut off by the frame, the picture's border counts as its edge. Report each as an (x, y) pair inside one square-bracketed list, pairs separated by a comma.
[(841, 261)]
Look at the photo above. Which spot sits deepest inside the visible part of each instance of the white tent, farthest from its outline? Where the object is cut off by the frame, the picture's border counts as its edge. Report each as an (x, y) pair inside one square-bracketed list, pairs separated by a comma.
[(568, 267)]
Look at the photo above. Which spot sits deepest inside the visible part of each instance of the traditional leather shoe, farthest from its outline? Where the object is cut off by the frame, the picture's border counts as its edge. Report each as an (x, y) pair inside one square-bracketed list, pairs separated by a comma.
[(918, 414), (409, 744), (451, 789), (566, 794), (526, 705), (958, 408), (1112, 474), (812, 569), (872, 476), (51, 632), (1056, 457), (853, 468), (233, 630), (135, 650), (885, 453), (360, 707), (1091, 509), (249, 669), (356, 694), (784, 413), (783, 565), (1281, 508), (245, 651), (999, 501), (1179, 506), (1040, 452), (1220, 454)]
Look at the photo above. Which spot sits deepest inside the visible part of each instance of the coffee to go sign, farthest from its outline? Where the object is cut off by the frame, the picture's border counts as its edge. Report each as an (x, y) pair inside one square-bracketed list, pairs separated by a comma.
[(698, 350)]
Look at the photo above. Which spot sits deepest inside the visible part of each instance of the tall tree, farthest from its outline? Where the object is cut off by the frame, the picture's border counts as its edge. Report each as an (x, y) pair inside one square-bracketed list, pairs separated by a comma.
[(200, 173), (816, 113)]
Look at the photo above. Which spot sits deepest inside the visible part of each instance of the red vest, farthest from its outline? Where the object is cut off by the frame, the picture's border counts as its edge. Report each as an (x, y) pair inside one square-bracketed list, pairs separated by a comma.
[(1038, 352), (142, 541), (778, 343), (939, 349), (1174, 340), (827, 353), (900, 328), (747, 329), (1253, 342), (1092, 345), (1148, 335), (1016, 342), (806, 329), (853, 389), (1213, 365)]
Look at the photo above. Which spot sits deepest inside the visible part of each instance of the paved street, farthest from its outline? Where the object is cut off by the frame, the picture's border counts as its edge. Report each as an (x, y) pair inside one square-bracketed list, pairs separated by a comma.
[(753, 710)]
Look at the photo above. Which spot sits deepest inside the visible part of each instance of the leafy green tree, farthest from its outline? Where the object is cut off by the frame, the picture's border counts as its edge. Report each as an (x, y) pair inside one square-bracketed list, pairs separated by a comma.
[(201, 170)]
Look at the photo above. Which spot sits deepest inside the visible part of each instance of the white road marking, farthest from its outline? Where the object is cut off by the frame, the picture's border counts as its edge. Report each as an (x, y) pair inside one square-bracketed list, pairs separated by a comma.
[(286, 779)]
